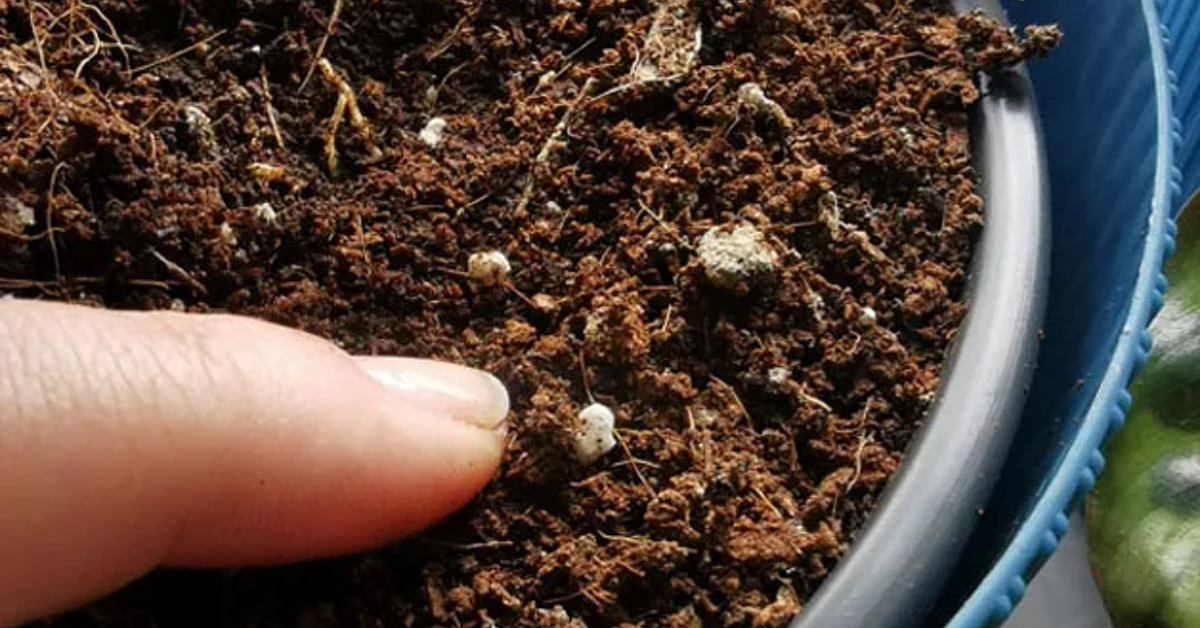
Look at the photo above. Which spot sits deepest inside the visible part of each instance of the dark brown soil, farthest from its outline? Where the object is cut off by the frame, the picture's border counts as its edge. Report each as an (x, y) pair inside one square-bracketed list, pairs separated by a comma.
[(168, 154)]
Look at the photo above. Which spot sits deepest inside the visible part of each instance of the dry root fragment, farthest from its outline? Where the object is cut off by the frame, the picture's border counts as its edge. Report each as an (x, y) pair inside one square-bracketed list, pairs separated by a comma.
[(488, 269), (554, 141), (346, 106), (595, 436), (735, 259)]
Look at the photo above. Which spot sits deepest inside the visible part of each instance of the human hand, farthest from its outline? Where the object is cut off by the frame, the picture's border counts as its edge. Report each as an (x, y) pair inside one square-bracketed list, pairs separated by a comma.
[(130, 441)]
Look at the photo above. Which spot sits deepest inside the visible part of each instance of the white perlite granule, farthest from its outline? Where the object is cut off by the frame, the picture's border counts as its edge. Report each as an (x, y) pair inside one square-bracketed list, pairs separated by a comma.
[(595, 436), (434, 132)]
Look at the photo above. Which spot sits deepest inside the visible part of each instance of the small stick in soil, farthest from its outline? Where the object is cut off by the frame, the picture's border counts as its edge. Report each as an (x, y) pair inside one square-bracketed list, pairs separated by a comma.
[(50, 219), (552, 142), (550, 77), (362, 245), (633, 464), (583, 375), (431, 95), (815, 401), (96, 45), (37, 34), (112, 31), (317, 58), (508, 285), (771, 506), (271, 118), (860, 421), (863, 439), (179, 53), (736, 399), (448, 40), (619, 537), (666, 227), (590, 480), (180, 273), (469, 546)]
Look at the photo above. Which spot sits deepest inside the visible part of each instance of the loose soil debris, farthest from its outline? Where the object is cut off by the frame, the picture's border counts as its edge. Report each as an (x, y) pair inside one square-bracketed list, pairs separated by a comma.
[(161, 155)]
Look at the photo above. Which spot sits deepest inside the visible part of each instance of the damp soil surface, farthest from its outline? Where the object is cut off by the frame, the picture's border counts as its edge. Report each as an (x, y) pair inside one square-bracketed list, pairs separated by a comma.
[(765, 379)]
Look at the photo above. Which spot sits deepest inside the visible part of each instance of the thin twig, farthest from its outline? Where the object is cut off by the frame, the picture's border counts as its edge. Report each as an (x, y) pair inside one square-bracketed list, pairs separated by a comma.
[(763, 497), (736, 399), (863, 439), (583, 374), (50, 218), (633, 464), (180, 273), (112, 31), (333, 18), (271, 119), (92, 55), (555, 138), (815, 401), (178, 53), (37, 37), (469, 546)]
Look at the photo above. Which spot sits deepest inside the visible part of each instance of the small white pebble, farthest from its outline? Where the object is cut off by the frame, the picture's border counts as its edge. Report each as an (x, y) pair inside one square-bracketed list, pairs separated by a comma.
[(706, 417), (24, 214), (779, 375), (227, 235), (266, 213), (553, 208), (594, 437), (487, 269), (752, 94), (200, 128), (434, 132), (734, 258), (867, 316), (194, 116)]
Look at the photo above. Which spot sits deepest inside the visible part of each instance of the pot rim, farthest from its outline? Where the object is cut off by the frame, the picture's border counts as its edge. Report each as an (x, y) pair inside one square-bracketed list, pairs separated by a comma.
[(900, 560)]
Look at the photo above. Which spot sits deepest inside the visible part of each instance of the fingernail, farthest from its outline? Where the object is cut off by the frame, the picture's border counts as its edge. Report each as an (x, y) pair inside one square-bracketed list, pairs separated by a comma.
[(466, 394)]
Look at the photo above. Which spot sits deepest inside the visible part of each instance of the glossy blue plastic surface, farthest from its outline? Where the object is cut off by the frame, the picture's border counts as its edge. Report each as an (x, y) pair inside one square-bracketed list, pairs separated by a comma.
[(1120, 106)]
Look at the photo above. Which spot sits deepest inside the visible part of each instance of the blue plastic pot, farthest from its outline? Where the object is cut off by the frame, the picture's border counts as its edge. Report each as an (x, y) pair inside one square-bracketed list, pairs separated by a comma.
[(1120, 109)]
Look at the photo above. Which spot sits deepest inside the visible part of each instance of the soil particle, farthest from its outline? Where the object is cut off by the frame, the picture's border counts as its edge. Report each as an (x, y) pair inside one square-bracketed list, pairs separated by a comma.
[(164, 155), (735, 258)]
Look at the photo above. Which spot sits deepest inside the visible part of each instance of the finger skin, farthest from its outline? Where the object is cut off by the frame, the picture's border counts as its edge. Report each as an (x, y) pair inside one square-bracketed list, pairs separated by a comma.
[(133, 440)]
